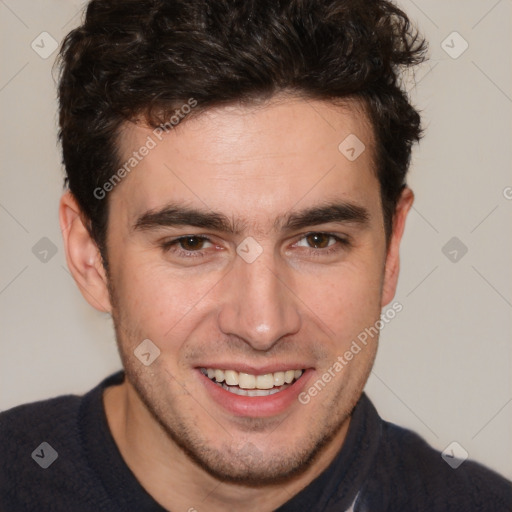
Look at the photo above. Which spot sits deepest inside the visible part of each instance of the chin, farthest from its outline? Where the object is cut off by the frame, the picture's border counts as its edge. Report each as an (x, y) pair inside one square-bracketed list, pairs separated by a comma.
[(274, 456)]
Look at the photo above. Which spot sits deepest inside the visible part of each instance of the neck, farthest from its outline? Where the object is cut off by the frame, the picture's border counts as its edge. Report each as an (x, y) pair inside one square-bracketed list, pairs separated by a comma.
[(178, 483)]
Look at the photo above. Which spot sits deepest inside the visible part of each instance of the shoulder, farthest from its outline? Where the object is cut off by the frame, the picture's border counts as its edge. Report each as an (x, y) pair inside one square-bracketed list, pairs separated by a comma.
[(42, 455), (22, 419), (27, 429), (422, 475)]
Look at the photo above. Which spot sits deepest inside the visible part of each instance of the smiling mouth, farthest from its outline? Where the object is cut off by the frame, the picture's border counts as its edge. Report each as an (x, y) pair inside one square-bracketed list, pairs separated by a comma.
[(246, 384)]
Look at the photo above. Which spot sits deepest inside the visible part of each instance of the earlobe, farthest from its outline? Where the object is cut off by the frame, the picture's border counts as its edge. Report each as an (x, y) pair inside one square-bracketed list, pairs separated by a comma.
[(392, 268), (82, 255)]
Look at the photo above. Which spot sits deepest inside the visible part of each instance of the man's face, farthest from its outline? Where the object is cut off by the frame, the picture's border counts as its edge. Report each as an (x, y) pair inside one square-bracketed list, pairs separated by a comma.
[(294, 296)]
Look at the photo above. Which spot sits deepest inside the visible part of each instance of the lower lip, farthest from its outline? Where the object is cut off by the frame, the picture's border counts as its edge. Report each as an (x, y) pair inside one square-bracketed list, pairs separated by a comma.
[(256, 406)]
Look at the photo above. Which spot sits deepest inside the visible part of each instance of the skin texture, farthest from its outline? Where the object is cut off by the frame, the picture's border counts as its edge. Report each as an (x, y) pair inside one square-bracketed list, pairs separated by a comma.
[(294, 305)]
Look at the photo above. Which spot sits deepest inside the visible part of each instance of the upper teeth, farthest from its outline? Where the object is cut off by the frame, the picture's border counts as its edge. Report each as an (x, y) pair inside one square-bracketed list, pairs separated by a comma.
[(248, 381)]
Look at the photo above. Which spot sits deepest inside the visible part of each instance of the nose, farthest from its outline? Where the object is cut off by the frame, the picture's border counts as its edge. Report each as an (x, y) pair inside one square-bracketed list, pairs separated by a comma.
[(259, 306)]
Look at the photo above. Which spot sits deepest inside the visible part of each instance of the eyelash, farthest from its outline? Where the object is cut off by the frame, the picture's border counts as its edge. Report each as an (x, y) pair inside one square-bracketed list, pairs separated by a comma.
[(168, 245)]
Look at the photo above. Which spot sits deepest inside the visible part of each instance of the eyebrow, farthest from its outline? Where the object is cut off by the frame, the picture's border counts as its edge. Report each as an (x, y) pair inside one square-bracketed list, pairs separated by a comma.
[(178, 215)]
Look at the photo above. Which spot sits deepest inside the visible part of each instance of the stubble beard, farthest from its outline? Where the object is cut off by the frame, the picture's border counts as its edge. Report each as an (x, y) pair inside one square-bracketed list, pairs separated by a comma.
[(236, 461)]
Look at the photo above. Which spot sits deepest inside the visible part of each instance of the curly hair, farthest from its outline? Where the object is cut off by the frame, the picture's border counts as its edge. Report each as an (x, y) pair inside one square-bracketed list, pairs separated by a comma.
[(133, 59)]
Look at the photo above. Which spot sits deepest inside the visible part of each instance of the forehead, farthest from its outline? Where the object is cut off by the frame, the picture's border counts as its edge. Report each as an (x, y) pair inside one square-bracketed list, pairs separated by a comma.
[(255, 162)]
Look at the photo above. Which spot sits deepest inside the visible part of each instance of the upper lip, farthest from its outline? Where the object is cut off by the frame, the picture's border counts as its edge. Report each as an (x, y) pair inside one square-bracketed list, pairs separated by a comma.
[(253, 370)]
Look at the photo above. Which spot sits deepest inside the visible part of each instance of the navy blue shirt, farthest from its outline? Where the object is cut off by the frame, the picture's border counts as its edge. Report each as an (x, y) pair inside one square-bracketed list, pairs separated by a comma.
[(58, 455)]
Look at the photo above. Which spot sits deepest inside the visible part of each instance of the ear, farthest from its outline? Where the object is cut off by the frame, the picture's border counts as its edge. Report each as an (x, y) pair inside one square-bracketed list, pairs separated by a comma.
[(82, 255), (392, 268)]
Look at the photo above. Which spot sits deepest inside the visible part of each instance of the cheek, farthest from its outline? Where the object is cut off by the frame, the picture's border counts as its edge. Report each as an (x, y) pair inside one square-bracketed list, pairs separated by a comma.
[(346, 299), (156, 302)]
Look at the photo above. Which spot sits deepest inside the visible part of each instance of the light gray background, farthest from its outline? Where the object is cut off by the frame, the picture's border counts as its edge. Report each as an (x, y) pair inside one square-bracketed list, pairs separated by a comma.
[(444, 365)]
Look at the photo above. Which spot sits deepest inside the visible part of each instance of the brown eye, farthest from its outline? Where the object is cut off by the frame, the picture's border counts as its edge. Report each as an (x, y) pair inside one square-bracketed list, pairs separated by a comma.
[(191, 243), (318, 240), (187, 246), (318, 244)]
